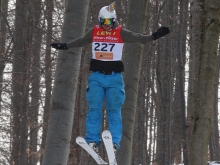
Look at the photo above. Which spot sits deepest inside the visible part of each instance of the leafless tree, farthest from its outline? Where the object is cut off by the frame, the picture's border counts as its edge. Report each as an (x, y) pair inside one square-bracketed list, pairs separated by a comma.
[(65, 83), (205, 28)]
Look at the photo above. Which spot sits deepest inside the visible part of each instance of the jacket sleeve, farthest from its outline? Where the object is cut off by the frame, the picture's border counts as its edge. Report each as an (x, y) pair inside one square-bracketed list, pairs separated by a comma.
[(132, 37), (81, 41)]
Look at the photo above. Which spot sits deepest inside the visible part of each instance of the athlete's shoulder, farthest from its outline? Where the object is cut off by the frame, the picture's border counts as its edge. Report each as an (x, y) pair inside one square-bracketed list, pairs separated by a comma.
[(118, 27)]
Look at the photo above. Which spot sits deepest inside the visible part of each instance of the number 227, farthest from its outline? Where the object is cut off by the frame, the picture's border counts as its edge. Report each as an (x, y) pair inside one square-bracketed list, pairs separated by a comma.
[(103, 47)]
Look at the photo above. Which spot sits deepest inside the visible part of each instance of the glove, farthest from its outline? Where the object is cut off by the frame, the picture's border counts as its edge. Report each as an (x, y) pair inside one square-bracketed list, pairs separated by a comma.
[(162, 31), (59, 46)]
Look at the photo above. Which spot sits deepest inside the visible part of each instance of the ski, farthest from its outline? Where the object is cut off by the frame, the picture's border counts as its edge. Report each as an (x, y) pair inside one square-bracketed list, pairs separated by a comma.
[(107, 139), (82, 142)]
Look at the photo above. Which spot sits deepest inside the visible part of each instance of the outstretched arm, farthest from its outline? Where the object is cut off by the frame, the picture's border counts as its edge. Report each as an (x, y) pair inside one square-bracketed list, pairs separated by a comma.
[(79, 42), (132, 37)]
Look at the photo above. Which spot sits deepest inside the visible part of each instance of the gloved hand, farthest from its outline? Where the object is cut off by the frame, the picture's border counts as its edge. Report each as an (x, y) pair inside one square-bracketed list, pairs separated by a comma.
[(59, 46), (162, 31)]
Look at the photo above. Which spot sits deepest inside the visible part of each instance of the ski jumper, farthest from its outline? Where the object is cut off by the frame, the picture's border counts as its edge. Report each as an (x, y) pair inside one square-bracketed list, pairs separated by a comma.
[(105, 82)]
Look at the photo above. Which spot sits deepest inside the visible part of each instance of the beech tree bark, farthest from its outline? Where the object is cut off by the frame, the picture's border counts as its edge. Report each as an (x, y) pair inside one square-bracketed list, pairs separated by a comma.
[(65, 84), (205, 28)]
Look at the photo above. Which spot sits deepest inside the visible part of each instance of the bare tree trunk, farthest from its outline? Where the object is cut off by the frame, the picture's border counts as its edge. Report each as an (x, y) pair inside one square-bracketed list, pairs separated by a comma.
[(214, 147), (195, 51), (24, 110), (78, 155), (20, 85), (181, 63), (206, 26), (140, 149), (27, 33), (132, 52), (139, 126), (163, 88), (164, 85), (35, 80), (3, 19), (48, 74), (65, 84)]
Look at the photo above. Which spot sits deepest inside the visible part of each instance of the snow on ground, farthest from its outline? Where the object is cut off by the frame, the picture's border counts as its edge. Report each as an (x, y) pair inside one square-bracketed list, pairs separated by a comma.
[(214, 163), (209, 163)]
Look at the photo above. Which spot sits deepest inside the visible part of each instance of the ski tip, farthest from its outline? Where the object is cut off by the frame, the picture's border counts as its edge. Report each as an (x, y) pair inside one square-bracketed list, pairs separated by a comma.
[(106, 131), (79, 138)]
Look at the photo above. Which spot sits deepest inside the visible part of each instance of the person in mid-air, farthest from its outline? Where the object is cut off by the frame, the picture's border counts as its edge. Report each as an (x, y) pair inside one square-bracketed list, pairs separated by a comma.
[(106, 66)]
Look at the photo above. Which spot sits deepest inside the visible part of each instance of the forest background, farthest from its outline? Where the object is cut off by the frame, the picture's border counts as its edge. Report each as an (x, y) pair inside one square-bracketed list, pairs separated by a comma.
[(170, 115)]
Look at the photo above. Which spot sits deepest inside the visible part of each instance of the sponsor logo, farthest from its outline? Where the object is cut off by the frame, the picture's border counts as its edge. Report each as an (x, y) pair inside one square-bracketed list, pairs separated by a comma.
[(111, 38), (105, 38), (104, 55), (102, 33), (98, 38)]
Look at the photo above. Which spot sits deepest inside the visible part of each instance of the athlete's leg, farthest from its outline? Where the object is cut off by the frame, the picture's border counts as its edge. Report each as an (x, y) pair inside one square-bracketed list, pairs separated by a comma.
[(115, 96), (95, 97)]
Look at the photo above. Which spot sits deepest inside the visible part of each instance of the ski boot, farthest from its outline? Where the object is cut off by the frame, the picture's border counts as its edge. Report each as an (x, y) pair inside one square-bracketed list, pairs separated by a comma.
[(94, 147)]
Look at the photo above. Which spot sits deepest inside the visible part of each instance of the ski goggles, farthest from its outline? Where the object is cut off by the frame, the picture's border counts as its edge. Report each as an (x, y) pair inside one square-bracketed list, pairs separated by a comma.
[(106, 21)]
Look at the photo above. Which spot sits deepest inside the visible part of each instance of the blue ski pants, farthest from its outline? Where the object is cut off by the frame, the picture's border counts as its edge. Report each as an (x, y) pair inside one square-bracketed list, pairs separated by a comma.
[(111, 88)]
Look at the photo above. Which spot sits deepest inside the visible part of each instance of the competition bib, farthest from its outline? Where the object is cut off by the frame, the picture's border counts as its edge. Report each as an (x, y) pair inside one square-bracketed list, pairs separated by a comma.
[(107, 46)]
